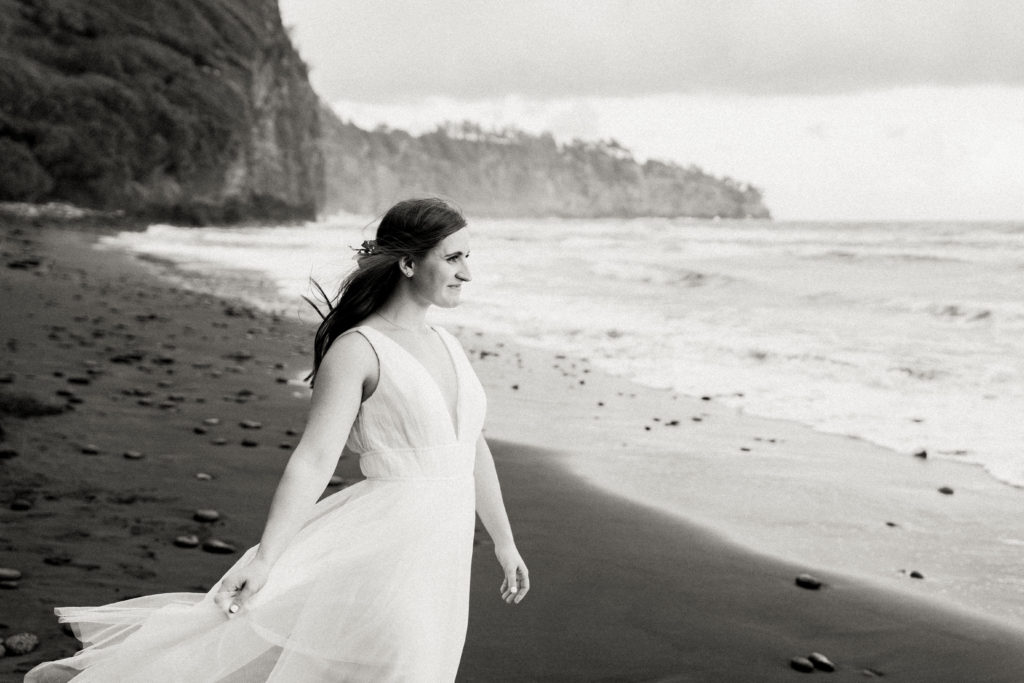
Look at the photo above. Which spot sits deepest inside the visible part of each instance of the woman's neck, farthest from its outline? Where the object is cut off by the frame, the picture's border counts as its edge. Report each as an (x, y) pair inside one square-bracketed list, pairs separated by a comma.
[(407, 317)]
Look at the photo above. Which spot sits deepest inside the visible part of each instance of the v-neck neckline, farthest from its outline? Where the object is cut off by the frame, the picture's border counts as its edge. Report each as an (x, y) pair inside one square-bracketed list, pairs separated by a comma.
[(453, 420)]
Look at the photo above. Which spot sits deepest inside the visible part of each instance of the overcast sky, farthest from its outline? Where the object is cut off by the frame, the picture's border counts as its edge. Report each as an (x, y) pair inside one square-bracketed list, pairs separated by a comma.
[(837, 109)]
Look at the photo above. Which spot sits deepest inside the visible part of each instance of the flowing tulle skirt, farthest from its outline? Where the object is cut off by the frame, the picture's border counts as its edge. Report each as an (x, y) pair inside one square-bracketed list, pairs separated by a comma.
[(374, 588)]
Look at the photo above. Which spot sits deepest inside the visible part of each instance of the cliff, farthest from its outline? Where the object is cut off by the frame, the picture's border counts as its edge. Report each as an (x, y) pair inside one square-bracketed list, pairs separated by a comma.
[(187, 110), (513, 173)]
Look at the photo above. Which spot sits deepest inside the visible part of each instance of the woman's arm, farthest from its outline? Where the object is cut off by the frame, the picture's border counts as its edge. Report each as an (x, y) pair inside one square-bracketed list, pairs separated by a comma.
[(335, 403), (491, 508)]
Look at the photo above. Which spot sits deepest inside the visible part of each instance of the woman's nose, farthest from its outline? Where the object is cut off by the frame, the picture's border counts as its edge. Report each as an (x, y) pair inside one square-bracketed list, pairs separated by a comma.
[(463, 273)]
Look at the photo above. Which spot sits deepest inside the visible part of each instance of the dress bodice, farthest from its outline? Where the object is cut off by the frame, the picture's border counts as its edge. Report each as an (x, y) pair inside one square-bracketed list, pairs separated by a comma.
[(404, 430)]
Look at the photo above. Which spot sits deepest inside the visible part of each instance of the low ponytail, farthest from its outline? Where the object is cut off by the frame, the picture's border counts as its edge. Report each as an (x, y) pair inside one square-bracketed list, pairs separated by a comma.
[(410, 228)]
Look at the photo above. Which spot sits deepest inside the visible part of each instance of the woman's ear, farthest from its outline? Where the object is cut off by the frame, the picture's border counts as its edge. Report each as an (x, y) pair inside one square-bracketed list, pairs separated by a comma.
[(405, 264)]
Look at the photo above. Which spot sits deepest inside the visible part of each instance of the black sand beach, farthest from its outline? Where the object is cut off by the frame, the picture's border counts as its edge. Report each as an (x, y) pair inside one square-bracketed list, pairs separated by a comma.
[(130, 365)]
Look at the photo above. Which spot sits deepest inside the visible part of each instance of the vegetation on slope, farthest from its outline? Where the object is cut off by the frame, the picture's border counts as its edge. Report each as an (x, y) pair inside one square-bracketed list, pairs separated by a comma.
[(513, 173), (192, 110)]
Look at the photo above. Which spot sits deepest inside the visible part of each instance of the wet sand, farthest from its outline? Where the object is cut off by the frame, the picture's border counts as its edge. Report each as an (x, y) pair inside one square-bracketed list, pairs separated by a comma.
[(621, 591)]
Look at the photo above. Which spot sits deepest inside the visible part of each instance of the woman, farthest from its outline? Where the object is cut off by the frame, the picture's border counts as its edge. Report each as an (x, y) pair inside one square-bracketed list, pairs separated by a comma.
[(371, 583)]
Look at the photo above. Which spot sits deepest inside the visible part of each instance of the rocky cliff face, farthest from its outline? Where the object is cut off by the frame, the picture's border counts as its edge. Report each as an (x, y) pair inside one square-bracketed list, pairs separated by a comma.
[(512, 173), (189, 110)]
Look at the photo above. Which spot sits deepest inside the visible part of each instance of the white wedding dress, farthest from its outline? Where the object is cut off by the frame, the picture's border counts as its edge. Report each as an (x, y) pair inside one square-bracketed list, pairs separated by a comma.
[(375, 587)]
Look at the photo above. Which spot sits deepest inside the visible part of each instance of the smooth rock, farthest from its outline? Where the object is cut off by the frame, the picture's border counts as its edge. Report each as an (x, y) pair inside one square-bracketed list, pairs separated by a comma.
[(218, 547), (801, 664), (821, 662), (9, 574), (90, 449), (284, 445), (250, 443), (921, 454), (916, 575), (199, 430), (21, 504), (206, 515), (21, 643), (250, 424), (9, 585), (946, 490), (8, 453), (203, 476), (809, 582), (211, 421), (189, 541), (133, 455), (219, 441)]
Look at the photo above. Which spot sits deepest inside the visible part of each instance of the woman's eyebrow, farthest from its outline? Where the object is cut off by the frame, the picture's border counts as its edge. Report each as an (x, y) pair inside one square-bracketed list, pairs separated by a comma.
[(455, 253)]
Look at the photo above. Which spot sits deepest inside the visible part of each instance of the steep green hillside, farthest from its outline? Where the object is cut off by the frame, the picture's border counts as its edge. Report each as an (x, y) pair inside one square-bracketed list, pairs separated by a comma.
[(512, 173), (190, 110)]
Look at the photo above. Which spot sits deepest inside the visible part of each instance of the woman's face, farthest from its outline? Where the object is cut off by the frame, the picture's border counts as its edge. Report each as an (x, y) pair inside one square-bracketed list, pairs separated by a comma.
[(437, 277)]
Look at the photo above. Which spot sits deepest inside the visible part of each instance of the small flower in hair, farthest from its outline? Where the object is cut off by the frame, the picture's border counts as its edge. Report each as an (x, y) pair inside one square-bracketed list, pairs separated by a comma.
[(367, 248)]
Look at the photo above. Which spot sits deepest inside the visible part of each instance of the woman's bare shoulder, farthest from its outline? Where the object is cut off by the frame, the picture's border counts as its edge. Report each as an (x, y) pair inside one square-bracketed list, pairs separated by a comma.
[(351, 352)]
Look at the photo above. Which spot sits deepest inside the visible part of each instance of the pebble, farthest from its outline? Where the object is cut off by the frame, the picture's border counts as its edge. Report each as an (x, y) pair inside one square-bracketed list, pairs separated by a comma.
[(21, 504), (809, 582), (916, 575), (218, 547), (21, 643), (291, 432), (133, 455), (801, 664), (90, 449), (921, 454), (189, 541), (250, 424), (250, 443), (206, 515), (821, 662), (284, 445), (219, 441), (9, 574), (9, 585), (8, 453), (211, 421), (203, 476), (199, 430), (946, 490)]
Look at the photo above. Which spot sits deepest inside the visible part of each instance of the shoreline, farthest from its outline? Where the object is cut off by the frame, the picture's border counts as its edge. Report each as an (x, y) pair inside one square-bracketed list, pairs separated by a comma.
[(604, 599), (776, 487)]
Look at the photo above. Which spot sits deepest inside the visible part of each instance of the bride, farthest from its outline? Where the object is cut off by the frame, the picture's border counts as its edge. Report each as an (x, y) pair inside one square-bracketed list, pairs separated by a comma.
[(372, 582)]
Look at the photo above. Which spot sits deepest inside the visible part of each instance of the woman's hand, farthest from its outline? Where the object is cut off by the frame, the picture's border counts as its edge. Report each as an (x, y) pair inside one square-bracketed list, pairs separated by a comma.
[(240, 585), (517, 577)]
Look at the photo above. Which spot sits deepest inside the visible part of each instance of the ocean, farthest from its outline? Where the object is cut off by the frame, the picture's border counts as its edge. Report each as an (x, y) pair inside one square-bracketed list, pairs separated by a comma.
[(909, 335)]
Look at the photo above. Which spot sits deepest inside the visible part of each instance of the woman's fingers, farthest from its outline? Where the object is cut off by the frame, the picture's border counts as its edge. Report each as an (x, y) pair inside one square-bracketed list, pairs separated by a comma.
[(514, 590), (231, 595), (510, 580), (524, 584)]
